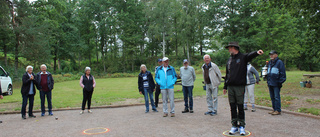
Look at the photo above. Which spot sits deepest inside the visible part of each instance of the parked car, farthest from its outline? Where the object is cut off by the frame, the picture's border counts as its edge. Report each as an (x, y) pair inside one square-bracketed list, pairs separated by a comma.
[(6, 82)]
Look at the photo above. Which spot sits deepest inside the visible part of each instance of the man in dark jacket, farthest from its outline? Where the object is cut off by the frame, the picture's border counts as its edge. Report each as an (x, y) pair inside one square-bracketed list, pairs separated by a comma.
[(275, 77), (146, 87), (28, 90), (45, 84), (158, 90), (235, 81)]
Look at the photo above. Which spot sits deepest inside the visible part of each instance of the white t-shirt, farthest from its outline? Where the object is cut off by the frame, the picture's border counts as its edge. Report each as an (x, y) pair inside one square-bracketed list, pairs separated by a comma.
[(165, 71)]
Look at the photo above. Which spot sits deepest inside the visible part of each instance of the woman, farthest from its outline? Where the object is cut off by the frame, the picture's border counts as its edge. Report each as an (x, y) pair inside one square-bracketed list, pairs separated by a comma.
[(250, 86), (146, 86), (28, 91), (88, 83)]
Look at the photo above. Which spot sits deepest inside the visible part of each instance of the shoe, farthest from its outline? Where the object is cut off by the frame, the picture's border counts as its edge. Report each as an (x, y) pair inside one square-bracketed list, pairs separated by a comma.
[(242, 131), (191, 110), (147, 111), (156, 105), (32, 116), (50, 114), (24, 117), (233, 130), (276, 113), (253, 110), (155, 110), (42, 114), (185, 111), (173, 115), (0, 121), (89, 111), (165, 115), (81, 112), (245, 108), (213, 113), (208, 113), (270, 112)]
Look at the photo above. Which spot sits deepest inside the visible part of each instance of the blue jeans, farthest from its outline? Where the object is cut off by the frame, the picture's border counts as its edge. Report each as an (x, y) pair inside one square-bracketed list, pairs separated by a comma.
[(146, 99), (25, 102), (275, 97), (187, 94), (43, 95)]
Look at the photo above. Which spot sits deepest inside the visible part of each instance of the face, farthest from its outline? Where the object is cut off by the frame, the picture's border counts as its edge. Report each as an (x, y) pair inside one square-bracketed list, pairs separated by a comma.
[(160, 63), (166, 63), (30, 70), (273, 56), (43, 69), (185, 64), (88, 72), (143, 69), (207, 59), (232, 50)]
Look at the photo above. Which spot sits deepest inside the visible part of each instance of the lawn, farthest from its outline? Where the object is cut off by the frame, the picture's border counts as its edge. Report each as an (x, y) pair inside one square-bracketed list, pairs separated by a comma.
[(110, 91)]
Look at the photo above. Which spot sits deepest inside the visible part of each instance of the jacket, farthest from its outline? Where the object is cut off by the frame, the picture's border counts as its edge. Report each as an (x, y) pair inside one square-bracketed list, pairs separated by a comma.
[(250, 72), (214, 74), (26, 83), (166, 80), (50, 81), (188, 76), (276, 73), (236, 69), (150, 81)]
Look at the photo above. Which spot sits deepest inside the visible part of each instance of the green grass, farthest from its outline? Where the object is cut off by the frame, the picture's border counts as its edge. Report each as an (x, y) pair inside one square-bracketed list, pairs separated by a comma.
[(313, 101), (312, 110)]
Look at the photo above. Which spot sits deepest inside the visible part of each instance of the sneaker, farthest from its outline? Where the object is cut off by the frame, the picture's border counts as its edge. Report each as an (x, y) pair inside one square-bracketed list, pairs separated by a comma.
[(32, 116), (213, 113), (245, 108), (270, 112), (242, 131), (173, 115), (253, 110), (276, 113), (208, 113), (24, 117), (89, 111), (81, 112), (165, 115), (155, 110), (147, 111), (233, 130), (185, 111), (50, 114), (42, 114), (191, 110)]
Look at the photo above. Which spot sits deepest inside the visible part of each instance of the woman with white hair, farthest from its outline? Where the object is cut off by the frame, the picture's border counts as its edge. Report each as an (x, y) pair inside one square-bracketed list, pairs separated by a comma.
[(88, 84), (146, 87), (28, 90)]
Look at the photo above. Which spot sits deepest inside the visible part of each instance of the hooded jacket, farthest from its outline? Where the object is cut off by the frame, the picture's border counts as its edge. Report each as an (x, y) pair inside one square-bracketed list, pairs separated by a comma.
[(236, 69), (167, 79), (276, 73), (214, 74)]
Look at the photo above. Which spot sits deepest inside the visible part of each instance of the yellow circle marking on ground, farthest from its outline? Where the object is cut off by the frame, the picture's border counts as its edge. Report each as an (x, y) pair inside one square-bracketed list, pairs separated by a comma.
[(105, 130), (226, 133)]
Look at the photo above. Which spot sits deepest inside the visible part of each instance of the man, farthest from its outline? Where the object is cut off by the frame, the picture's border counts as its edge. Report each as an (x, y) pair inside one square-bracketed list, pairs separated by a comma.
[(212, 79), (250, 86), (157, 93), (275, 78), (188, 76), (166, 77), (236, 73), (45, 84)]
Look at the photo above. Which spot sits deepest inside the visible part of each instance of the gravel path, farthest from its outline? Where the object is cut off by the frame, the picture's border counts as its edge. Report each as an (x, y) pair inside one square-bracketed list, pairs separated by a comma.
[(132, 121)]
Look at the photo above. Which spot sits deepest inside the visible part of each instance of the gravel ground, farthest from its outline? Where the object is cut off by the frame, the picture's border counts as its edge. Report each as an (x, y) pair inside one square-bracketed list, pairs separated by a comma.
[(132, 121)]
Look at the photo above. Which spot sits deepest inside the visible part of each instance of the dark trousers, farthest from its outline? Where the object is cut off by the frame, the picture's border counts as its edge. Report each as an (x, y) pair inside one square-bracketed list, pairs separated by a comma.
[(275, 97), (87, 95), (187, 93), (236, 98), (157, 93), (25, 102), (43, 95)]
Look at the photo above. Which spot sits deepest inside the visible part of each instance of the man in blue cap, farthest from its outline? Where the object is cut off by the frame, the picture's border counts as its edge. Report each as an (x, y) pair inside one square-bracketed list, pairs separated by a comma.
[(157, 93), (188, 76)]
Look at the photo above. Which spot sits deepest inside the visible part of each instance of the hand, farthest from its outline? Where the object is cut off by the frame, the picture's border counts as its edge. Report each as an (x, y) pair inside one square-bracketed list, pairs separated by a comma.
[(31, 77), (1, 97), (224, 91), (260, 52), (140, 92)]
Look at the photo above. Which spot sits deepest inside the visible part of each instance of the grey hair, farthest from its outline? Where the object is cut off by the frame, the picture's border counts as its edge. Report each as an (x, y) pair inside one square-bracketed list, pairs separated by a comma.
[(86, 69), (28, 68), (143, 65), (207, 55), (43, 65)]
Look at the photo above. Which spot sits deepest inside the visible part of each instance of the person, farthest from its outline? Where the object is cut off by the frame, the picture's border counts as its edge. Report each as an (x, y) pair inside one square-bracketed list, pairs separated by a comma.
[(1, 95), (157, 93), (45, 84), (88, 83), (28, 91), (146, 87), (212, 80), (188, 76), (276, 76), (250, 86), (235, 81), (166, 77)]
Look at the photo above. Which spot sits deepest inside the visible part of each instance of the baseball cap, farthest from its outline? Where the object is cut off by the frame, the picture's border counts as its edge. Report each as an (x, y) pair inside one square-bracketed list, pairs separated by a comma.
[(185, 60), (273, 52), (159, 60), (165, 59)]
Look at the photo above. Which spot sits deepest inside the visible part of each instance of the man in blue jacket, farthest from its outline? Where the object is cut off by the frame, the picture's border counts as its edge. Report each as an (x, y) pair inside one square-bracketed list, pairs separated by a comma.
[(275, 78), (166, 77)]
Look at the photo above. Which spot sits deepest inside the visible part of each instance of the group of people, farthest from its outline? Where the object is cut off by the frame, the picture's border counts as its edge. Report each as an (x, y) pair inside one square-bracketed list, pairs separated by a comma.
[(240, 80)]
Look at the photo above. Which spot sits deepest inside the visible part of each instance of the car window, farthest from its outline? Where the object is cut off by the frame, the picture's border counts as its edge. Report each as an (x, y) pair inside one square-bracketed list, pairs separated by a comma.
[(2, 72)]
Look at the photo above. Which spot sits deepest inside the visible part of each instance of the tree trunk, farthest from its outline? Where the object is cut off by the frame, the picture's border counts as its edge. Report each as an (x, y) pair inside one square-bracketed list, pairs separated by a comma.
[(163, 44), (16, 53), (188, 53), (5, 52)]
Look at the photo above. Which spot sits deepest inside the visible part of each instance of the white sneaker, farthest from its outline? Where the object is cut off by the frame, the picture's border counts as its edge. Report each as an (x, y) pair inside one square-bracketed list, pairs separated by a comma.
[(233, 130), (242, 131), (89, 111), (81, 112)]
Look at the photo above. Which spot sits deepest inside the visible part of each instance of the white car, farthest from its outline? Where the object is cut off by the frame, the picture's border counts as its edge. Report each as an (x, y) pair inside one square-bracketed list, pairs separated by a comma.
[(6, 82)]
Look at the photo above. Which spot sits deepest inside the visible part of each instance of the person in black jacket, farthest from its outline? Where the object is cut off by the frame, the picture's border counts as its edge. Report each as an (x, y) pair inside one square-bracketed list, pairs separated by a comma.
[(235, 81), (28, 90), (45, 84), (146, 87), (88, 83)]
